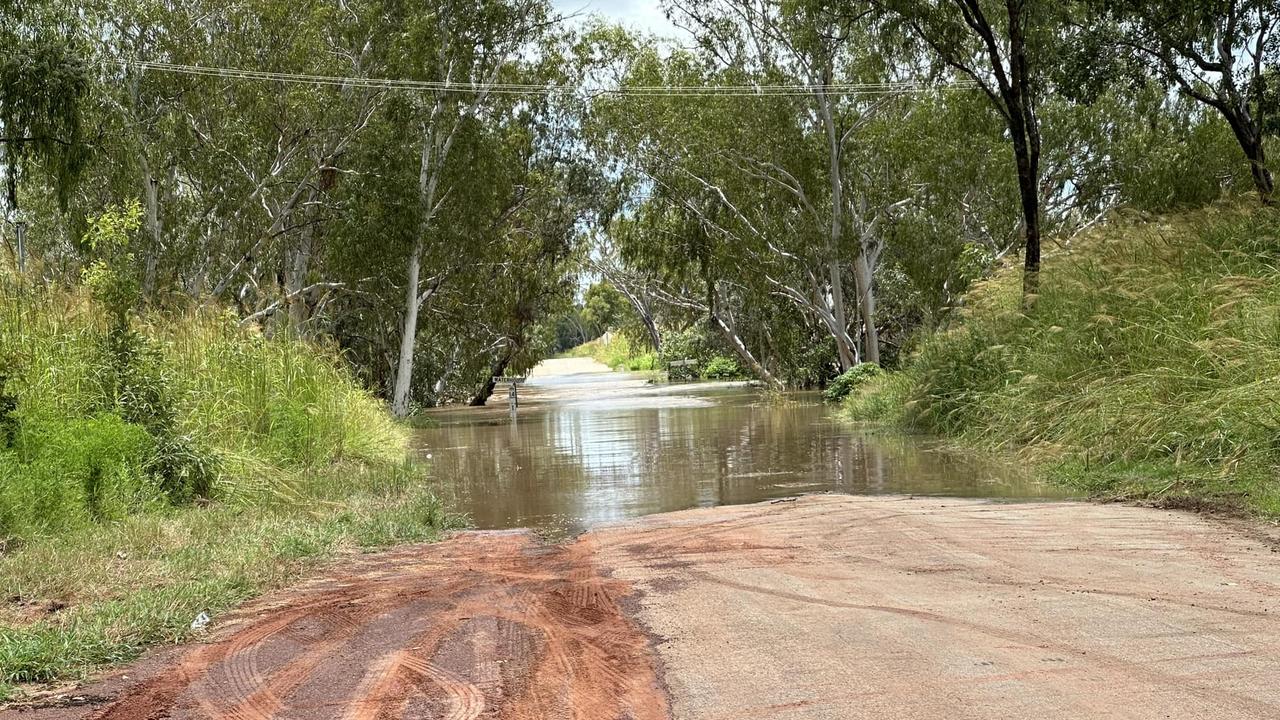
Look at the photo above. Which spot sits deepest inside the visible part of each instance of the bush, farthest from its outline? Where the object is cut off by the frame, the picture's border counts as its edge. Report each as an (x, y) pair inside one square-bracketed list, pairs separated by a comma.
[(721, 368), (693, 343), (850, 379), (71, 473), (102, 420), (642, 363)]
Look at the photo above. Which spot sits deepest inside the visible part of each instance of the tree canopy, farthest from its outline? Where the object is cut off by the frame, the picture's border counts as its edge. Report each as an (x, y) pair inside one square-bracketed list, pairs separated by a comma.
[(449, 191)]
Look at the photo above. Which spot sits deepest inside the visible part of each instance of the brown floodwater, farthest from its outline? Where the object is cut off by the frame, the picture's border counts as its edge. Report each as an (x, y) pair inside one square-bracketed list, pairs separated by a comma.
[(598, 447)]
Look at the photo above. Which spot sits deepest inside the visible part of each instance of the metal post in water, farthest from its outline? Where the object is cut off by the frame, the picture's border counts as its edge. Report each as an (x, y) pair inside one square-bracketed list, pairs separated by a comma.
[(513, 397)]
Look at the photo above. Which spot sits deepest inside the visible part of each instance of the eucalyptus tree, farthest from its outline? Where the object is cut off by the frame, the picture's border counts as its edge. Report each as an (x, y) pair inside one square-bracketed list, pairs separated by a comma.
[(1004, 48), (789, 190), (631, 285), (830, 53), (466, 47), (1222, 53), (44, 81)]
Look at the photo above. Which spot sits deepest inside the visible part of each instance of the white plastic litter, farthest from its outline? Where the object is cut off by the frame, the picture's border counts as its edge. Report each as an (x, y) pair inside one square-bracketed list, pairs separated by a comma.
[(201, 621)]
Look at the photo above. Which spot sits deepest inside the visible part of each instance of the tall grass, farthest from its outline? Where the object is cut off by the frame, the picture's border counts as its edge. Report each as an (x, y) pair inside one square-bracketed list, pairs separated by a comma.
[(617, 352), (1149, 367), (179, 467)]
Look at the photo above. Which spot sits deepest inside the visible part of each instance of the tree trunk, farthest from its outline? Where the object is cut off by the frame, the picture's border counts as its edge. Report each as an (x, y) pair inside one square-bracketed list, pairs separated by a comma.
[(1024, 128), (1029, 191), (428, 178), (848, 355), (731, 336), (1250, 139), (150, 194), (496, 370), (867, 307), (296, 279), (836, 231), (408, 336)]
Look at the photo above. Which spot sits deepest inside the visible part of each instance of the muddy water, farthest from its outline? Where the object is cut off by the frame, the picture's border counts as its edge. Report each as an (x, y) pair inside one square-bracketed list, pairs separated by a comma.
[(598, 447)]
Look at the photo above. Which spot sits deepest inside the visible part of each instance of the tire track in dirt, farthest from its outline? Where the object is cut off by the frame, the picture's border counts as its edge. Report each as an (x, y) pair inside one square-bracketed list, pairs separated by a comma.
[(486, 625)]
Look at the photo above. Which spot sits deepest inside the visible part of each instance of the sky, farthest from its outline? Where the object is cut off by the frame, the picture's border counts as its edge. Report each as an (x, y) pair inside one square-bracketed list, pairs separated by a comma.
[(637, 14)]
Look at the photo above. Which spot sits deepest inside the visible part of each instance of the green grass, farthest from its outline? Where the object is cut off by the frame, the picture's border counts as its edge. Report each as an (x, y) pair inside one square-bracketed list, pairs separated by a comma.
[(101, 595), (618, 353), (183, 469), (624, 355), (1149, 367)]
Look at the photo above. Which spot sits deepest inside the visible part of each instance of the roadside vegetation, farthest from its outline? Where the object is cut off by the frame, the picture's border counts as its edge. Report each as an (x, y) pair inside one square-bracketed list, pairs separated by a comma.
[(1148, 369), (619, 352), (159, 465)]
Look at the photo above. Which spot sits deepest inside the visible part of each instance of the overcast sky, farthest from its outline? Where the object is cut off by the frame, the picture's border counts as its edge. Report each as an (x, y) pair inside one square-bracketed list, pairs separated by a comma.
[(637, 14)]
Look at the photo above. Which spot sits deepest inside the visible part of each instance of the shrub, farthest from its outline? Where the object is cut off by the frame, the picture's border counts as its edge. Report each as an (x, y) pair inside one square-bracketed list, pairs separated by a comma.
[(641, 363), (693, 343), (721, 368), (66, 474), (850, 379)]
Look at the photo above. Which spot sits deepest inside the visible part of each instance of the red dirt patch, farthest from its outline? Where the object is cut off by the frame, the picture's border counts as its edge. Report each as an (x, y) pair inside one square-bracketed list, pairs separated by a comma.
[(483, 626)]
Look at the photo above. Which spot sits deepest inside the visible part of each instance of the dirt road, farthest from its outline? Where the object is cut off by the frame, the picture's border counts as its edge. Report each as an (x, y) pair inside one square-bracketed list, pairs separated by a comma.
[(826, 607)]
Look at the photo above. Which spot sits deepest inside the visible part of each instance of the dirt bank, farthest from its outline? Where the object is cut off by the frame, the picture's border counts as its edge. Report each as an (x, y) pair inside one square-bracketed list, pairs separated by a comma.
[(826, 607)]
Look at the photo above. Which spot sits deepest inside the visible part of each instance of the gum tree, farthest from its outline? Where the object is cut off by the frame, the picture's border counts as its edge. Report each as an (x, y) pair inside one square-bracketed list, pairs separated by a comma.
[(1001, 47), (1222, 53)]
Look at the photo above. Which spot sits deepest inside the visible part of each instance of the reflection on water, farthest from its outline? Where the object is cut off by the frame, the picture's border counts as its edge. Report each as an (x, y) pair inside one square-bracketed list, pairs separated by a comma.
[(567, 465)]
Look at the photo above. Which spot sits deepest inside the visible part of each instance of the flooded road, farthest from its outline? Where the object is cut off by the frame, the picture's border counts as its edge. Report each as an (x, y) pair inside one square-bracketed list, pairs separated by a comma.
[(591, 446), (841, 606)]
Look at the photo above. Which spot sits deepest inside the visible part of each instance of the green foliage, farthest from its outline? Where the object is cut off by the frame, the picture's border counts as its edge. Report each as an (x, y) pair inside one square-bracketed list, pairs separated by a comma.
[(111, 277), (44, 83), (603, 307), (692, 343), (105, 422), (850, 380), (1152, 353), (113, 435), (69, 474), (141, 580), (721, 367)]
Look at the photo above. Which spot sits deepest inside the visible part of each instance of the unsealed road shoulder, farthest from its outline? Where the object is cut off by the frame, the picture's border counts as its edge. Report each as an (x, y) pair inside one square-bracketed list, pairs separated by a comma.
[(917, 608), (828, 607)]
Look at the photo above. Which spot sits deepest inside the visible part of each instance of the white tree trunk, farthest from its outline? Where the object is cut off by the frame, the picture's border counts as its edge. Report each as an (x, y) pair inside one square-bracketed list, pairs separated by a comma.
[(408, 336), (867, 305), (836, 232)]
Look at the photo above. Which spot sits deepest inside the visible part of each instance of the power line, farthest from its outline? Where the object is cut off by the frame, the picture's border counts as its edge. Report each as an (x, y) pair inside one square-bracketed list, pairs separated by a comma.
[(762, 90)]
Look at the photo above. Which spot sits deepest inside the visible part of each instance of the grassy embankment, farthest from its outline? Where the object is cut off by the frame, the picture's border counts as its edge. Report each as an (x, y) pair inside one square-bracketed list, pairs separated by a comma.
[(623, 355), (619, 354), (1148, 369), (181, 467)]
